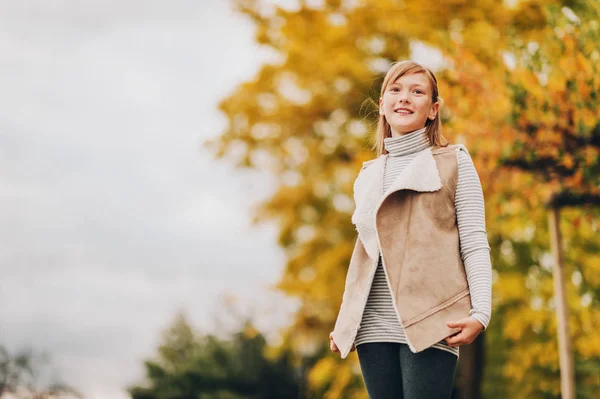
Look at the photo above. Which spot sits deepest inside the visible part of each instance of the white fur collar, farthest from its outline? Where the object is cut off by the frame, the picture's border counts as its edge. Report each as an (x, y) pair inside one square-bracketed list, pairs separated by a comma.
[(421, 174)]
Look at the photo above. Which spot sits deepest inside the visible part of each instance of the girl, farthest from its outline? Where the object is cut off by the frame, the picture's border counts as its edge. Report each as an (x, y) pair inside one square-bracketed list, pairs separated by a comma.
[(419, 280)]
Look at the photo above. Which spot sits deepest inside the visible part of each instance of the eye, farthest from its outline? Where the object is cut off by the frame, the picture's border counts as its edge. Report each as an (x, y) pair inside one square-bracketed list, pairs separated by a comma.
[(394, 89), (418, 91)]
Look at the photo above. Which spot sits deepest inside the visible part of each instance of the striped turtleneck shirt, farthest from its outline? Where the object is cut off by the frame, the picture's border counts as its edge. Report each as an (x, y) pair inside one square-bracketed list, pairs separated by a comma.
[(379, 321)]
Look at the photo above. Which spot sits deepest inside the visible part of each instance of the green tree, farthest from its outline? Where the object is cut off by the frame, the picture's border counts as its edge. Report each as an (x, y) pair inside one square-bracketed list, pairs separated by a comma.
[(189, 365)]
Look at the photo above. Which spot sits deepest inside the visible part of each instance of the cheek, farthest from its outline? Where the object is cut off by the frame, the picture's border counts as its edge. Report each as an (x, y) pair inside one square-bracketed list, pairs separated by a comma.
[(425, 109)]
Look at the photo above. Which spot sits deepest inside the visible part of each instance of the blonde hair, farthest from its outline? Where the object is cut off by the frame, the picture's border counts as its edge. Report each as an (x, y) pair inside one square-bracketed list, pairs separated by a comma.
[(433, 127)]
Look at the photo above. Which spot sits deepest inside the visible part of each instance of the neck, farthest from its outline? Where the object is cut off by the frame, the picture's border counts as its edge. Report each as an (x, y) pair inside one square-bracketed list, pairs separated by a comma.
[(408, 143), (402, 134)]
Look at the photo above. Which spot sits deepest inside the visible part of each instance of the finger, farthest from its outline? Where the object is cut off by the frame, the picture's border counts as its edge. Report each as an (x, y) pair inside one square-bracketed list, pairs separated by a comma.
[(462, 339), (334, 347), (456, 339), (456, 324), (332, 344)]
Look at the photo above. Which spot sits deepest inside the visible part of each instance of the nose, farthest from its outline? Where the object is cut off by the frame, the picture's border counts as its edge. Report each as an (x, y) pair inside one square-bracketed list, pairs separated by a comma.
[(403, 96)]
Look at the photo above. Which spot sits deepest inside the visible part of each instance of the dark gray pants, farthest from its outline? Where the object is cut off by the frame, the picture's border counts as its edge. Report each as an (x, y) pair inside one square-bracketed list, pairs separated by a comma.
[(392, 371)]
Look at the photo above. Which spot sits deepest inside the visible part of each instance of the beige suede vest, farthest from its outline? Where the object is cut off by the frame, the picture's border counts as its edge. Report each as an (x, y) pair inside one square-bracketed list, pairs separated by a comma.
[(413, 224)]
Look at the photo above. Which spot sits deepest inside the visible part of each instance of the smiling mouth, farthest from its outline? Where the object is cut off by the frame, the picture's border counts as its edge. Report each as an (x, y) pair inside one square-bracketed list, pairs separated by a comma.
[(403, 112)]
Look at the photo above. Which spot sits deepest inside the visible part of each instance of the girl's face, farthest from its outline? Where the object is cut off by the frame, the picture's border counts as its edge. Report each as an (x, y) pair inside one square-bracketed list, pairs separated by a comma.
[(406, 103)]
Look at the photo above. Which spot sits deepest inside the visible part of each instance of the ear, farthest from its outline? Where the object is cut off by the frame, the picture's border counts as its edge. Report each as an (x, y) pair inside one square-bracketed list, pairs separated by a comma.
[(434, 110)]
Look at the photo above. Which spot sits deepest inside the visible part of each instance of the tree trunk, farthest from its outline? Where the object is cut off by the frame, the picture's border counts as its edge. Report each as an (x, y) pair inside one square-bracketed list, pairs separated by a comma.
[(567, 382), (470, 370)]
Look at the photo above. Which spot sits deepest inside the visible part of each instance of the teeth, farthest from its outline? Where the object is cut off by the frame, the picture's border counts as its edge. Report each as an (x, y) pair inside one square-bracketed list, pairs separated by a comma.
[(402, 111)]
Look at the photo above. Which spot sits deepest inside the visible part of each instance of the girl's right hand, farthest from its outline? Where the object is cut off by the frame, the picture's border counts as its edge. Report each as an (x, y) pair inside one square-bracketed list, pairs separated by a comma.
[(334, 347), (332, 344)]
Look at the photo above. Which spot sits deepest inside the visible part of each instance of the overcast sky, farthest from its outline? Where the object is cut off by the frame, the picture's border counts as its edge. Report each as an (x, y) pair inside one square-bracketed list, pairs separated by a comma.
[(112, 217)]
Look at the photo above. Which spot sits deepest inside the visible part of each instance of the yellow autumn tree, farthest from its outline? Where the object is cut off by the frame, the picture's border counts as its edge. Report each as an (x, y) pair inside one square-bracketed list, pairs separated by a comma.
[(302, 119)]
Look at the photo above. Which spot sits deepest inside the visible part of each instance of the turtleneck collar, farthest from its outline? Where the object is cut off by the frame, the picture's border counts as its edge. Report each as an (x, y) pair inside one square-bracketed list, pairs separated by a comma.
[(406, 144)]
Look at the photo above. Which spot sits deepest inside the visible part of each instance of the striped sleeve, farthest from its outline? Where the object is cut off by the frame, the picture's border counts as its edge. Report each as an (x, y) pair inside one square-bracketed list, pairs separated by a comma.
[(474, 246)]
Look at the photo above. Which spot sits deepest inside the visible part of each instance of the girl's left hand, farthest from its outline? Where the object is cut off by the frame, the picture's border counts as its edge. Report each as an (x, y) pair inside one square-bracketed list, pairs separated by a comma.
[(470, 329)]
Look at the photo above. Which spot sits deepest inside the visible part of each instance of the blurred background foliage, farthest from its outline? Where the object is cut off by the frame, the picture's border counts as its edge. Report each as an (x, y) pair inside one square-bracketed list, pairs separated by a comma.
[(191, 365), (520, 84), (30, 375)]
